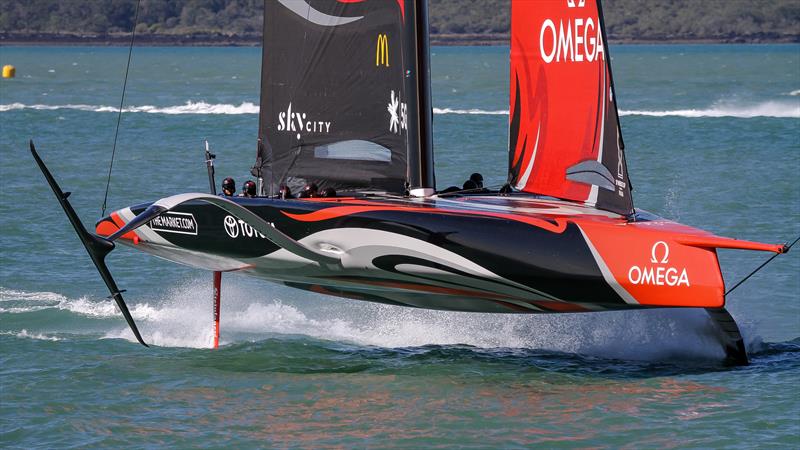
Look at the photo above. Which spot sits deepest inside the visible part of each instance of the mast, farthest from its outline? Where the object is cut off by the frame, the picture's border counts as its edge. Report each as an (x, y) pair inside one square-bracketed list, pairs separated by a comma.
[(421, 179)]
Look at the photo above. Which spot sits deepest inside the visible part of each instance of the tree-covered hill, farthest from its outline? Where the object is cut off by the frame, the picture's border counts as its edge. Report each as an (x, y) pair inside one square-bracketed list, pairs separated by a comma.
[(239, 21)]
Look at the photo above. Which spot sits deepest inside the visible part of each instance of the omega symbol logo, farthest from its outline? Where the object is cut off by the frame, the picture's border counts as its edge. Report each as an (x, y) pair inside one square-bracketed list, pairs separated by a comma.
[(231, 227), (654, 253)]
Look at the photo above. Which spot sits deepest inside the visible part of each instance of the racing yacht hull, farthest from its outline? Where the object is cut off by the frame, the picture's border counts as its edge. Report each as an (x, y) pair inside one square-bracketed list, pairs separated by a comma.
[(479, 253)]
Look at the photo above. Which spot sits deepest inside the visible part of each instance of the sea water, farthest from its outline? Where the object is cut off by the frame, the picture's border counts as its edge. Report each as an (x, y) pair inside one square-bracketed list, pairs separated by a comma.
[(712, 137)]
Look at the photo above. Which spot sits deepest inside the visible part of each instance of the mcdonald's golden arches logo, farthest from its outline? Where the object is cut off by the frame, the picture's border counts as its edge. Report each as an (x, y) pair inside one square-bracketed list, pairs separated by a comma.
[(382, 51)]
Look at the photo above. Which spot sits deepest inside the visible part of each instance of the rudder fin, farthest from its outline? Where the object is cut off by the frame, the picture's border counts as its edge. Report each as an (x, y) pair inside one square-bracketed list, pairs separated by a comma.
[(730, 337)]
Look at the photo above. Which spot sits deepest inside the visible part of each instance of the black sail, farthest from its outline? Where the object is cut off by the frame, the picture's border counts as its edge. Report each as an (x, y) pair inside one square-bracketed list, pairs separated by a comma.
[(334, 94)]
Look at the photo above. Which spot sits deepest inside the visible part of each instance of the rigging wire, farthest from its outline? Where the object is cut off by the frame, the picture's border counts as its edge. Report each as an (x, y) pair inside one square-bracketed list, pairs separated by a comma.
[(121, 102), (785, 250)]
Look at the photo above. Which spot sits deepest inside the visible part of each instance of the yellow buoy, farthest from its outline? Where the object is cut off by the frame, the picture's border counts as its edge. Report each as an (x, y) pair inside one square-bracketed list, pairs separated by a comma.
[(9, 71)]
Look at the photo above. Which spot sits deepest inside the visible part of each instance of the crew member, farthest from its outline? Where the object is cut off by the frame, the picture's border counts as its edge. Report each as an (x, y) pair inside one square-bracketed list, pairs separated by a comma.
[(470, 185), (249, 189), (309, 191), (228, 187), (477, 178)]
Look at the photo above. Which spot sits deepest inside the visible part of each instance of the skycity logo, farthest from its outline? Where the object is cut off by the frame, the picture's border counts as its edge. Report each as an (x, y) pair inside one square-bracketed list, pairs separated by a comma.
[(398, 118), (298, 122), (658, 274), (575, 40), (382, 51)]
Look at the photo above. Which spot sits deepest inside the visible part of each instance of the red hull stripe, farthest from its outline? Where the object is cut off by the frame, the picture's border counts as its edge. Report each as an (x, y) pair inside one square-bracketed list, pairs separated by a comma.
[(556, 226)]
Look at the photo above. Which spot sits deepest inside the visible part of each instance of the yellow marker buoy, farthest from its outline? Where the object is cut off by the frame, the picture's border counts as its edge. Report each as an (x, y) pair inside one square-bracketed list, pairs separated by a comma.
[(9, 71)]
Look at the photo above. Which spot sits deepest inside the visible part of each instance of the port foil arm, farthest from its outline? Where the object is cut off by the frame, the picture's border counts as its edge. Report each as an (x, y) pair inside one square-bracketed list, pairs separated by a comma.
[(96, 246)]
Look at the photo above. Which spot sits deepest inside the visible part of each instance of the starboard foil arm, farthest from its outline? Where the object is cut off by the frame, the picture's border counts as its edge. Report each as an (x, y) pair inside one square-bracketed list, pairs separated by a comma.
[(96, 246), (267, 229), (729, 243)]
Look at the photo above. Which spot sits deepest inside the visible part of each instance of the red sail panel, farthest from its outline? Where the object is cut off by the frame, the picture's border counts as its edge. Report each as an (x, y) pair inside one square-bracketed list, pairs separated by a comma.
[(564, 137)]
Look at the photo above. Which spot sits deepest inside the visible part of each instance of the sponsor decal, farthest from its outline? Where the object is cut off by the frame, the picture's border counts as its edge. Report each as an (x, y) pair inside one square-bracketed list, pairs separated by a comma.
[(620, 181), (175, 222), (398, 117), (382, 51), (573, 40), (299, 123), (237, 227), (659, 272)]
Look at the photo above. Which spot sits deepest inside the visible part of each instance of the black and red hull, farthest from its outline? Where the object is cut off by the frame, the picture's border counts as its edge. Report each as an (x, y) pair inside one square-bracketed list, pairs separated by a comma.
[(480, 253)]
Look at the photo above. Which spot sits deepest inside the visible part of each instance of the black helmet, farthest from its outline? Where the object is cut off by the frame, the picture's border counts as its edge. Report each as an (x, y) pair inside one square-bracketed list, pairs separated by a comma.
[(228, 185), (309, 190), (249, 188), (477, 178), (470, 185), (285, 192), (328, 192)]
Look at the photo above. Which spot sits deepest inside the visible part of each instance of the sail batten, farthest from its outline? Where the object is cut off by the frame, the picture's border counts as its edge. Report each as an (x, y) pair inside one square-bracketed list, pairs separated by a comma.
[(564, 134)]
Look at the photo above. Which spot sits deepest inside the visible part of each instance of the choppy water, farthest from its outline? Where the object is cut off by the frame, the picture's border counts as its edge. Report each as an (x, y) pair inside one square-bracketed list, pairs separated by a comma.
[(713, 140)]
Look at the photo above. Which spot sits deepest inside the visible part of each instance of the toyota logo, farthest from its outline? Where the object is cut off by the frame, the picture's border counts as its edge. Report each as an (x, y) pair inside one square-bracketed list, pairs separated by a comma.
[(231, 227)]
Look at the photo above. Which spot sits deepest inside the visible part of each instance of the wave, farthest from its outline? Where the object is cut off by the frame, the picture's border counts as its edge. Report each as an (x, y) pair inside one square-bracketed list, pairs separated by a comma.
[(7, 295), (469, 111), (24, 334), (17, 302), (765, 109), (187, 108), (795, 92), (198, 108)]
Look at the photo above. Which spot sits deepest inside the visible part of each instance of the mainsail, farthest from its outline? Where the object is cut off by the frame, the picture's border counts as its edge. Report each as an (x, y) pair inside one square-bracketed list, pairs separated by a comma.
[(564, 136), (340, 95)]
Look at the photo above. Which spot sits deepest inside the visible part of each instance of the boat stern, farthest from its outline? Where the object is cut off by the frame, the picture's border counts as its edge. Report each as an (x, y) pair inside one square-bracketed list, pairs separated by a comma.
[(660, 263)]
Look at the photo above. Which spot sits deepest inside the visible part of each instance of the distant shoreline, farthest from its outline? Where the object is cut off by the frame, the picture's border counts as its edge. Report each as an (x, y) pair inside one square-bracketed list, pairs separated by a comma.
[(219, 40)]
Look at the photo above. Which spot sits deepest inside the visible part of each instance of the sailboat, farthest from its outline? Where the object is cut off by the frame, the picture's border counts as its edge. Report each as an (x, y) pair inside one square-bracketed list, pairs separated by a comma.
[(346, 108)]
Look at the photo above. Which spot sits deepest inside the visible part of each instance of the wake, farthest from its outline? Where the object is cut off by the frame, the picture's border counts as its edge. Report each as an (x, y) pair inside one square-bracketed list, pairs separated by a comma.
[(181, 317)]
